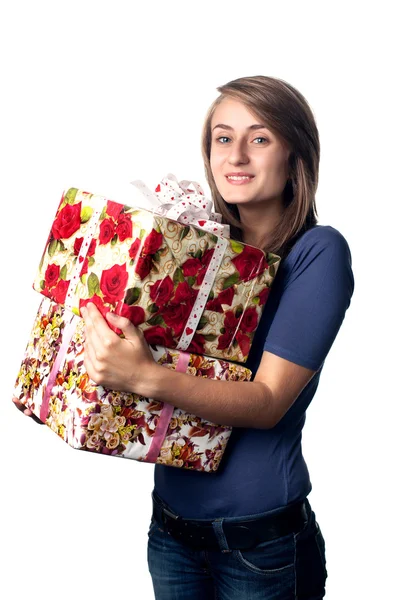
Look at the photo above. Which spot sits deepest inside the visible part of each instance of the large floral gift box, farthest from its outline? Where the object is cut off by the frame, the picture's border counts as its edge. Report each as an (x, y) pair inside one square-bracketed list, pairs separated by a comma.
[(54, 384), (184, 286)]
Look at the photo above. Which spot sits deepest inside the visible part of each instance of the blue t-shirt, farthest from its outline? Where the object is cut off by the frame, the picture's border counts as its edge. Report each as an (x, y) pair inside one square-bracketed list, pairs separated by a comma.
[(264, 469)]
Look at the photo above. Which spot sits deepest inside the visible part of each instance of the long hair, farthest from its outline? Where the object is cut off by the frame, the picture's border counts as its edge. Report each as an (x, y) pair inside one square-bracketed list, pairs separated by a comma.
[(286, 112)]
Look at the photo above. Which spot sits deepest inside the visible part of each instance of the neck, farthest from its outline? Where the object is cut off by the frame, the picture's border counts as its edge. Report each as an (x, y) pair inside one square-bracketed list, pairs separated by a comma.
[(259, 222)]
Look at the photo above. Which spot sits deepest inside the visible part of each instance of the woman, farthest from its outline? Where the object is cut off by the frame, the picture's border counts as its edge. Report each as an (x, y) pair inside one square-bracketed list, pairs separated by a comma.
[(248, 530)]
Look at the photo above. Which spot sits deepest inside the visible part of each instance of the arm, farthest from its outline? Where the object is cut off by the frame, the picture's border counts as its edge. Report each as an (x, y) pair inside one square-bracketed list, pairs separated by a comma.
[(317, 292), (127, 364)]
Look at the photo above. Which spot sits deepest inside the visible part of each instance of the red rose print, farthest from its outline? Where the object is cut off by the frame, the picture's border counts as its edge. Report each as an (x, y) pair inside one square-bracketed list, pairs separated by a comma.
[(92, 248), (143, 266), (85, 267), (176, 315), (214, 305), (52, 275), (114, 209), (224, 297), (67, 222), (263, 295), (161, 291), (249, 320), (152, 242), (231, 322), (184, 293), (124, 227), (249, 263), (134, 249), (231, 325), (98, 302), (135, 314), (158, 336), (60, 291), (107, 230), (244, 342), (197, 344), (113, 283), (145, 260), (197, 267), (191, 267), (78, 245), (224, 340), (47, 293)]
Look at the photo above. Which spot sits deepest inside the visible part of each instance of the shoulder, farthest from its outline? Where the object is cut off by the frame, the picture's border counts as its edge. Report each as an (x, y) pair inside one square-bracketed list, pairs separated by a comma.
[(321, 243)]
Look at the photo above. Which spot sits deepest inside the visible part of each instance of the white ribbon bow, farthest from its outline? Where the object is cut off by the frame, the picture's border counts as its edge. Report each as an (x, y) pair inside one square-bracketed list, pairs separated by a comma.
[(183, 201)]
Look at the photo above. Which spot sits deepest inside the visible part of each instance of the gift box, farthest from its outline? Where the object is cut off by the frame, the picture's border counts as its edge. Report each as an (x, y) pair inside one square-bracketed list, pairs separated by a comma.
[(54, 384), (183, 282)]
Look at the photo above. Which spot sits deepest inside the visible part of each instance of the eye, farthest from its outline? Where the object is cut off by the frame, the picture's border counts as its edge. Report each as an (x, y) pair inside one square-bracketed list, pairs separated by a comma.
[(260, 140), (223, 139)]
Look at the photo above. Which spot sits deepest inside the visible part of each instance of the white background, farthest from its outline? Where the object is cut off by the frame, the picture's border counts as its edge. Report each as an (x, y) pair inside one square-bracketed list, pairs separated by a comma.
[(95, 94)]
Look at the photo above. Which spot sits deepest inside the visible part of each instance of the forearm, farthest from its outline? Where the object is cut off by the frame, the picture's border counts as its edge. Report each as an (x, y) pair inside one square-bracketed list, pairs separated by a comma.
[(235, 403)]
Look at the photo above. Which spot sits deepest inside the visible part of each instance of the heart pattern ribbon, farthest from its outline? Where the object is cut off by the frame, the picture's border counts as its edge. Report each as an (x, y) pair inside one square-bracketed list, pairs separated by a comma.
[(183, 201)]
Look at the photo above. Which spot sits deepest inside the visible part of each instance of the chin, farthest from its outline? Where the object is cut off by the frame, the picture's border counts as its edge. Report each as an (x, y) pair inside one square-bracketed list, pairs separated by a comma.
[(238, 201), (231, 197)]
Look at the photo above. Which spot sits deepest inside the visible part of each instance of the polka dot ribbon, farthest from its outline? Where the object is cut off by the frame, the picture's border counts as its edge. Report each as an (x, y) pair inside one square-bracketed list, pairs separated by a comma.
[(183, 201), (202, 295), (90, 231)]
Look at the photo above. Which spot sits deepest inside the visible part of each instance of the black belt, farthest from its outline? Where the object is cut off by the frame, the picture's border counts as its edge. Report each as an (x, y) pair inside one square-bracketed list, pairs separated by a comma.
[(240, 535)]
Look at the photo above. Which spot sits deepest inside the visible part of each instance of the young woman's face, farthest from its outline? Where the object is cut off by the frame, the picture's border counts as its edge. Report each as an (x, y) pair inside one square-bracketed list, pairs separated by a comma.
[(249, 162)]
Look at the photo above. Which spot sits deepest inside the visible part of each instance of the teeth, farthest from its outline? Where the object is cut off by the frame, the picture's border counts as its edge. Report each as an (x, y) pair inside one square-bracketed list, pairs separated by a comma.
[(238, 177)]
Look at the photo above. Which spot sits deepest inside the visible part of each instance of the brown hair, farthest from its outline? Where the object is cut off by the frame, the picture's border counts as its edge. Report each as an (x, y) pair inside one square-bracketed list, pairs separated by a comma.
[(286, 112)]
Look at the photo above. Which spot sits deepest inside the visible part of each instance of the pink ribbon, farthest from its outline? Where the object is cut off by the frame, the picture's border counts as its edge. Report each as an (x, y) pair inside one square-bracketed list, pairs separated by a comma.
[(165, 415), (69, 330)]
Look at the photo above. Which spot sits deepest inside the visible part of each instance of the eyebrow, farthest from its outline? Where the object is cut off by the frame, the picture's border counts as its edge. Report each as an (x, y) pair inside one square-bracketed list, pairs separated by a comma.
[(250, 128)]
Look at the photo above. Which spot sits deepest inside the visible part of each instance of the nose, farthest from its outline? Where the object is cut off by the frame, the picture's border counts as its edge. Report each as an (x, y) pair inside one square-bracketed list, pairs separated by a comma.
[(238, 154)]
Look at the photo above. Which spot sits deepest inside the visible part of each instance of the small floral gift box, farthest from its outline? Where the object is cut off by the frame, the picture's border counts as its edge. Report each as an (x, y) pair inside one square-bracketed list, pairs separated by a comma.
[(53, 383), (167, 271)]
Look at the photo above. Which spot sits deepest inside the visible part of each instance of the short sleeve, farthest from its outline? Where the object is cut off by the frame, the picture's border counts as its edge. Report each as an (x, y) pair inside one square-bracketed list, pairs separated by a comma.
[(317, 291)]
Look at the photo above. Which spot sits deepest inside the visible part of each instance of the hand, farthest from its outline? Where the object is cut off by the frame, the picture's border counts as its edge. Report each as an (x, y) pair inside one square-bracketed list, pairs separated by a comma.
[(111, 361), (27, 411)]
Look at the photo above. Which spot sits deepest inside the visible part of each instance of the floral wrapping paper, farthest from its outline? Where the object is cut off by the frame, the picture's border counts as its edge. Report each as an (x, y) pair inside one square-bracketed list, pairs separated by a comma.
[(152, 270), (90, 417)]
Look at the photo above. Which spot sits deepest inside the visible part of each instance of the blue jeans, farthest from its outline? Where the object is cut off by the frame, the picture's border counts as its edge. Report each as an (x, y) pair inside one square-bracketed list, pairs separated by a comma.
[(288, 568)]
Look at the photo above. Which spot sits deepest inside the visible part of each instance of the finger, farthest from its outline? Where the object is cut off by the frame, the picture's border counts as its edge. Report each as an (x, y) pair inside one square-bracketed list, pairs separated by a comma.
[(26, 411), (93, 342), (34, 417), (98, 333), (96, 318), (125, 325), (19, 405)]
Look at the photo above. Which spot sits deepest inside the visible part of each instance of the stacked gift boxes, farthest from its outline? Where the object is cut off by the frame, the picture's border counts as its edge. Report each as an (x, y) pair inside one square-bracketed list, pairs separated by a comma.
[(53, 383), (189, 290)]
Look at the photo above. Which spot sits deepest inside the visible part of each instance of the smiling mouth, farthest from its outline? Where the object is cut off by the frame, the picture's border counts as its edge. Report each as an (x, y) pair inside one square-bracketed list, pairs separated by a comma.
[(237, 179)]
